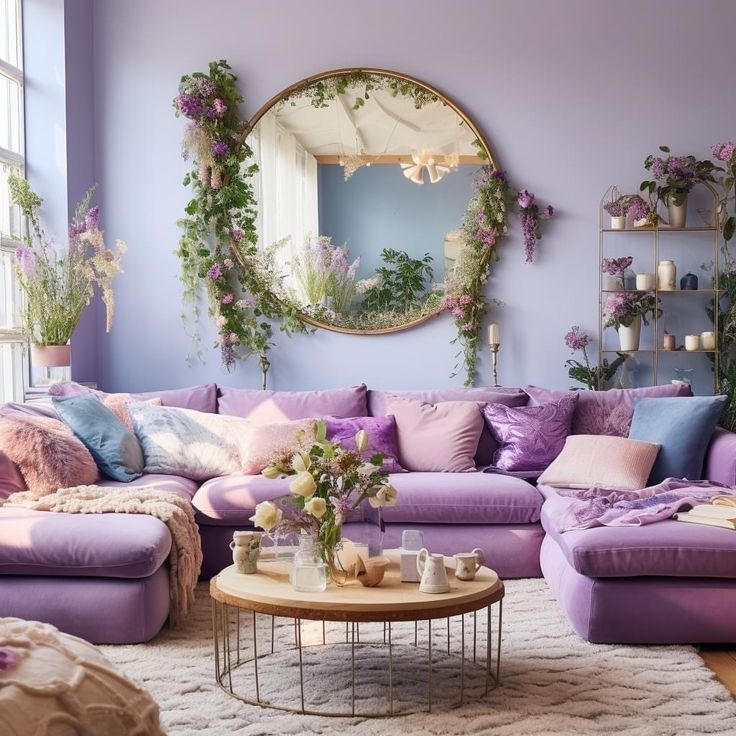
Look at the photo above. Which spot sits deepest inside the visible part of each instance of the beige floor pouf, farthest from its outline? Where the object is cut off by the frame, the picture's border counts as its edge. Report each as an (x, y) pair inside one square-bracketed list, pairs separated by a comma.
[(53, 684)]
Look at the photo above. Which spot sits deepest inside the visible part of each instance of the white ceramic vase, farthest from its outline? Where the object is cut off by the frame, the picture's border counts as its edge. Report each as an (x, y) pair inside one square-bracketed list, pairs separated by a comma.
[(677, 210), (628, 337), (666, 276)]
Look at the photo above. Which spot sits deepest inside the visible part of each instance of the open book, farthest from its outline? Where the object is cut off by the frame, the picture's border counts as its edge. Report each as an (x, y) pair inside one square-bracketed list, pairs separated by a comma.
[(711, 515), (724, 500)]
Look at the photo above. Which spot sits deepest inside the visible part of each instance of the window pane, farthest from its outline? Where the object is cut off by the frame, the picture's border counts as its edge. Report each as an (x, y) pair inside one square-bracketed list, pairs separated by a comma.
[(10, 48), (11, 225), (10, 114), (12, 371), (10, 296)]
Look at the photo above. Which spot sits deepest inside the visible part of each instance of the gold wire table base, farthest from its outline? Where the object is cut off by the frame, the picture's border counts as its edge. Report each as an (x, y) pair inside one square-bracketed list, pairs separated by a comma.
[(232, 652)]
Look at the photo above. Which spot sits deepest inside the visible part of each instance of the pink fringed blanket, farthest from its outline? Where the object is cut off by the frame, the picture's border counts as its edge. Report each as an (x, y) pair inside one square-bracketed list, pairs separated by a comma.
[(603, 507)]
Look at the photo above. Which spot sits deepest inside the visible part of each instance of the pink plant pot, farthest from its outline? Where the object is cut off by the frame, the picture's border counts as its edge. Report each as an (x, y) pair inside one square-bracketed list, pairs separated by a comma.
[(51, 356)]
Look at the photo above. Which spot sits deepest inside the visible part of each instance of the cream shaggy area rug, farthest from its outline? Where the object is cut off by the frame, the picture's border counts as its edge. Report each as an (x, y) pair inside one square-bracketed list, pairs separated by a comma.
[(552, 682)]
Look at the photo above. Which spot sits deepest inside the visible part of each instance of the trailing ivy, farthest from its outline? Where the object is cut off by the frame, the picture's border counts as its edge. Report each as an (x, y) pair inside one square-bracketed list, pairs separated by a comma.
[(218, 248)]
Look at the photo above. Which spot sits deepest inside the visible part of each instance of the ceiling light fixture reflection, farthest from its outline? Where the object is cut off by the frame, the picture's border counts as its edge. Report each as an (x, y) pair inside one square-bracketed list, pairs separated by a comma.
[(421, 160)]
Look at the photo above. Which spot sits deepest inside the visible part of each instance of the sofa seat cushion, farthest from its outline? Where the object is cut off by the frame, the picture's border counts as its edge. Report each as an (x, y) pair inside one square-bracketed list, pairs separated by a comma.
[(183, 487), (232, 499), (665, 548), (81, 545), (463, 498)]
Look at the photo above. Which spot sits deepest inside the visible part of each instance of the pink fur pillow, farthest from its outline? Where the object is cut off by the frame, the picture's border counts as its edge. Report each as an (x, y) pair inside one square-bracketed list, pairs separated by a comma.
[(47, 452)]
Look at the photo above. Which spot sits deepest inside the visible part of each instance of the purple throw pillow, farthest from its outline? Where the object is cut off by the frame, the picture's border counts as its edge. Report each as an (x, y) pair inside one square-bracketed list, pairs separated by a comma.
[(530, 437), (381, 433)]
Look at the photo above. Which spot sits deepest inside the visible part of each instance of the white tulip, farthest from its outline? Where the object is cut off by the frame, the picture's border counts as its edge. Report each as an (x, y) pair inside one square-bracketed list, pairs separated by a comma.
[(303, 484), (361, 440), (386, 496), (316, 506), (301, 462), (267, 516), (366, 469)]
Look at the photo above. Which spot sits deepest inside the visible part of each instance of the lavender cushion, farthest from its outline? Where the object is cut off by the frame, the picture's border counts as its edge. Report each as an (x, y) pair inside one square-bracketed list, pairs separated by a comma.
[(183, 487), (487, 445), (199, 398), (88, 545), (381, 437), (38, 408), (265, 407), (605, 412), (530, 437), (664, 548)]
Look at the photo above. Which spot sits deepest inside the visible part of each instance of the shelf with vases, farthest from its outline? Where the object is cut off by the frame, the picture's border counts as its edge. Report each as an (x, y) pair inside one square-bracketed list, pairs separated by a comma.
[(688, 251)]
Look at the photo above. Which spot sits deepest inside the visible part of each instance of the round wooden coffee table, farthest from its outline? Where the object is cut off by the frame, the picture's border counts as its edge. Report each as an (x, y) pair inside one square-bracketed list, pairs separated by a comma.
[(269, 593)]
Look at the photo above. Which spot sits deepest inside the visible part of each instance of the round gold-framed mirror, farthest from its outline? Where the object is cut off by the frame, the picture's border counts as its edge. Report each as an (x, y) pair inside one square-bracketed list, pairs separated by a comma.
[(364, 176)]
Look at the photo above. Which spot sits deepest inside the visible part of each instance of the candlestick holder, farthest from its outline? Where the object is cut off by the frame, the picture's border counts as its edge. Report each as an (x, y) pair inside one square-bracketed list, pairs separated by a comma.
[(494, 363), (264, 364)]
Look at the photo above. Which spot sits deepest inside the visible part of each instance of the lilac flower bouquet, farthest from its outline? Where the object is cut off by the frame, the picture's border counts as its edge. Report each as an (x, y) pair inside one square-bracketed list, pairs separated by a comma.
[(621, 308), (616, 266), (592, 377), (60, 282), (675, 176)]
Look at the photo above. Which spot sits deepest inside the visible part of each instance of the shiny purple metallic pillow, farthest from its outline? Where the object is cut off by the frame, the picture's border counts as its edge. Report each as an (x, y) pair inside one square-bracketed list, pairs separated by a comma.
[(530, 437), (381, 433)]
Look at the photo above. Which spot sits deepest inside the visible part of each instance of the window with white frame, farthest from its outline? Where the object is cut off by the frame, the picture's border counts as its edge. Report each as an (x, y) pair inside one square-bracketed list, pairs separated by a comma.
[(13, 363)]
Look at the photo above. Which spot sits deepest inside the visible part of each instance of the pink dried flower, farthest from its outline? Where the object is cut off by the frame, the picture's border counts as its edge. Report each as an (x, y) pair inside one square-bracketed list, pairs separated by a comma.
[(458, 312), (236, 234), (468, 327), (229, 298), (228, 263), (214, 272), (220, 321), (465, 300)]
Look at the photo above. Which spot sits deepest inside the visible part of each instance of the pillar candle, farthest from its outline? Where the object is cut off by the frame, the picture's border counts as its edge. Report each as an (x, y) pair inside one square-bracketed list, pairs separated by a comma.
[(494, 334), (645, 281), (708, 340), (669, 342), (692, 342)]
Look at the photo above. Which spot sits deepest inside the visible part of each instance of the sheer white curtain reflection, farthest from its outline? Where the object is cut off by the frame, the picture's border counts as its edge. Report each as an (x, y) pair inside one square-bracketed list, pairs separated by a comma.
[(286, 190)]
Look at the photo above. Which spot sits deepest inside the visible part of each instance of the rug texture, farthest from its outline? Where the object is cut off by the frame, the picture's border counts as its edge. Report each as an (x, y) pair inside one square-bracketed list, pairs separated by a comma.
[(552, 682)]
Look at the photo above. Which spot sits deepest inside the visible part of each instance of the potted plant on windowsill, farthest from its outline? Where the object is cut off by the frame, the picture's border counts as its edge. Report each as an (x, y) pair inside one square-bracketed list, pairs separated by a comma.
[(58, 283), (673, 178)]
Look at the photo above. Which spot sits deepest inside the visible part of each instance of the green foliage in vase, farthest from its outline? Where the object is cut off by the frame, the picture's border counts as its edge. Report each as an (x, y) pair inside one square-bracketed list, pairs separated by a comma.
[(402, 282), (218, 248)]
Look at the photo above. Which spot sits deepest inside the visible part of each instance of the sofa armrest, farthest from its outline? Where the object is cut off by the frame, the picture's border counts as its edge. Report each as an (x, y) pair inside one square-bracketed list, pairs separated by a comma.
[(720, 458), (11, 479)]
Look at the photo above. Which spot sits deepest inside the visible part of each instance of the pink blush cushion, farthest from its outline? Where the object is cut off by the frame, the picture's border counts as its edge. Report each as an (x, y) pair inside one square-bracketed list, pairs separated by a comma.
[(118, 405), (605, 412), (529, 437), (440, 437), (47, 452), (589, 461), (381, 433), (261, 444)]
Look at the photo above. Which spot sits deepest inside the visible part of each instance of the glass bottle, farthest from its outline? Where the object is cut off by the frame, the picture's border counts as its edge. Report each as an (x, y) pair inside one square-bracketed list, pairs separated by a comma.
[(309, 574)]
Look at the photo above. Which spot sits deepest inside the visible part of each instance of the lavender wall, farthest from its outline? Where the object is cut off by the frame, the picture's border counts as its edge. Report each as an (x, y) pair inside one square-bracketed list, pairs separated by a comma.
[(572, 95)]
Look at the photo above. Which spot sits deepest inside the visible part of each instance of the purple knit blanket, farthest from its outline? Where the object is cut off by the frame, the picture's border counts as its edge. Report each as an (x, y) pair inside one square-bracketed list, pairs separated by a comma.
[(603, 507)]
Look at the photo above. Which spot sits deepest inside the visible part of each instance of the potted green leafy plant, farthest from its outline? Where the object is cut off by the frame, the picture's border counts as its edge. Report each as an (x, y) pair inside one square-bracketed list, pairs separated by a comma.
[(58, 283)]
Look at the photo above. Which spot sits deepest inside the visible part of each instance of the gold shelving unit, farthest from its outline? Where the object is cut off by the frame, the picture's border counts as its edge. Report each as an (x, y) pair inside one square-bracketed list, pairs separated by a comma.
[(656, 234)]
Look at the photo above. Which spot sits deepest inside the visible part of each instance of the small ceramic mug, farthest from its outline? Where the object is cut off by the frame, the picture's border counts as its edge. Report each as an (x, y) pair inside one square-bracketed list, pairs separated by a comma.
[(468, 563), (246, 547)]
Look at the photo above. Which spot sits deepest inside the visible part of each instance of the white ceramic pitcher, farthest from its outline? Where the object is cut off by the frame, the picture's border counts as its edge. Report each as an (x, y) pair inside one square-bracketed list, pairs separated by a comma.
[(432, 569), (468, 563)]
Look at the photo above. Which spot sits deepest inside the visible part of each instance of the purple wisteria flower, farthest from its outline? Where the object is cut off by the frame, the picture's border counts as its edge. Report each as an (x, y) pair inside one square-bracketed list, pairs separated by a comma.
[(92, 218), (220, 148), (214, 272), (76, 229), (576, 339), (229, 298), (189, 105), (8, 658), (26, 260), (547, 212), (724, 151), (220, 106), (616, 266), (525, 199), (529, 230)]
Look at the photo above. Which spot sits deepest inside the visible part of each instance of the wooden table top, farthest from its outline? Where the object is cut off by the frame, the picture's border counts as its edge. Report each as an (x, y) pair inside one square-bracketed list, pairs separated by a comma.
[(269, 591)]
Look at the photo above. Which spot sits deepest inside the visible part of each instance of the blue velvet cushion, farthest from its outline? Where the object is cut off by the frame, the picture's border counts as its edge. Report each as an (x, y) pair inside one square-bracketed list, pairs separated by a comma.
[(114, 447), (683, 427)]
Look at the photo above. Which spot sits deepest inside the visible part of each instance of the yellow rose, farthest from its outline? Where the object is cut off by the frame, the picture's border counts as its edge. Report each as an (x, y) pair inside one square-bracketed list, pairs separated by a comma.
[(361, 440), (303, 484), (267, 516), (387, 496), (316, 506)]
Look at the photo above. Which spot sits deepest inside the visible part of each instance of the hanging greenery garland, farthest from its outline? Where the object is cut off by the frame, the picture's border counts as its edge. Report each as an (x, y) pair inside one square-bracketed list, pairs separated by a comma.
[(218, 248)]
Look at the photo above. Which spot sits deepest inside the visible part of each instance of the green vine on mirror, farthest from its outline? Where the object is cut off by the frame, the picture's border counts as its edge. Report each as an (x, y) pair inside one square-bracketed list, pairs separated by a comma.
[(218, 248)]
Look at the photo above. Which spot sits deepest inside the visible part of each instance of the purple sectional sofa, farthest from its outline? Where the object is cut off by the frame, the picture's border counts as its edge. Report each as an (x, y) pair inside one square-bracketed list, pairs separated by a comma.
[(105, 578)]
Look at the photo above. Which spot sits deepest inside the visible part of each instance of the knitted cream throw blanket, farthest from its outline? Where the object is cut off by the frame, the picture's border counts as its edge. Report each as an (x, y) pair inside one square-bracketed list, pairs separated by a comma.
[(185, 557)]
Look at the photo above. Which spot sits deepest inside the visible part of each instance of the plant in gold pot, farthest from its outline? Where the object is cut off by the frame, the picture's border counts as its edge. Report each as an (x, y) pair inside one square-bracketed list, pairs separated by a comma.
[(58, 283)]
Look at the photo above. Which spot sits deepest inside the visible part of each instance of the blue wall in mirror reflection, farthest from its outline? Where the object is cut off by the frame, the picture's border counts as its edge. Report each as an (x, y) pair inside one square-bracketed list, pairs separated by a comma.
[(379, 208)]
